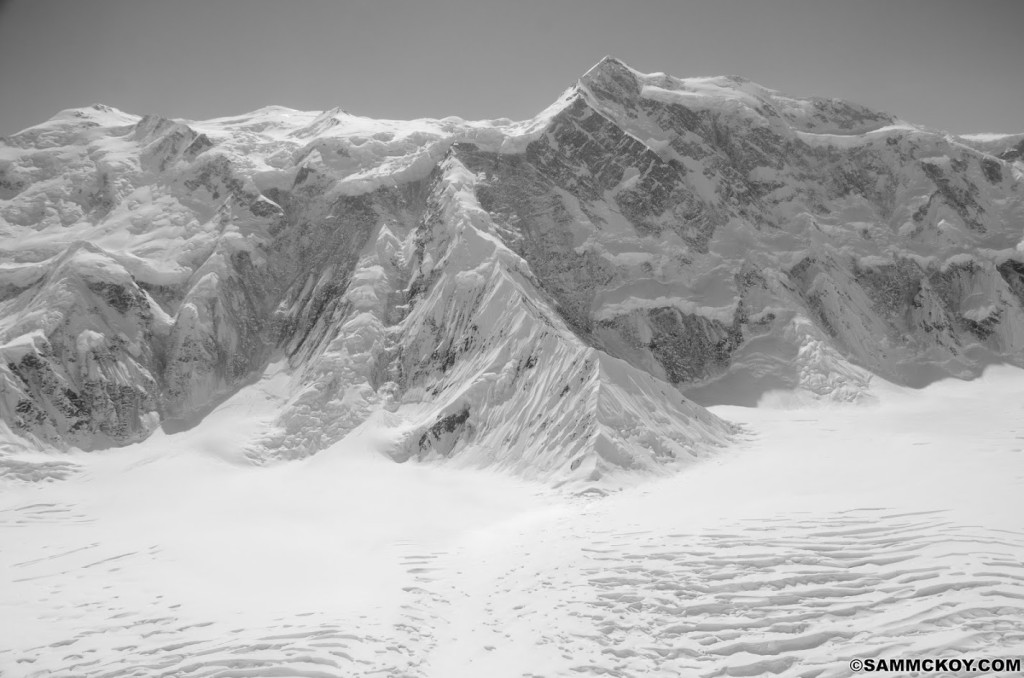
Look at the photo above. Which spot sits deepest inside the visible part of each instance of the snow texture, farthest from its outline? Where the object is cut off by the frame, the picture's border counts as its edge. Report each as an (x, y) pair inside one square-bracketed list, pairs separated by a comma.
[(828, 533)]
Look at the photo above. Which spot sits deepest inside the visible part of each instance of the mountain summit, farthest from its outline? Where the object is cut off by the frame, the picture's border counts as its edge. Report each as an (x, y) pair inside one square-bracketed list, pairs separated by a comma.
[(534, 295)]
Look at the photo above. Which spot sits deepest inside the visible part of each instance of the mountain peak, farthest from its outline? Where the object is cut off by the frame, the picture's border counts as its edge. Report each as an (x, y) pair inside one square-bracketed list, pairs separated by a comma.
[(613, 85), (607, 64), (610, 67), (611, 78)]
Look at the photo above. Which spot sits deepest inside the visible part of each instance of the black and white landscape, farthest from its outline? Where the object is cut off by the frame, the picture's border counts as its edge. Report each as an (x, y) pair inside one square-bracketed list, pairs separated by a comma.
[(682, 376)]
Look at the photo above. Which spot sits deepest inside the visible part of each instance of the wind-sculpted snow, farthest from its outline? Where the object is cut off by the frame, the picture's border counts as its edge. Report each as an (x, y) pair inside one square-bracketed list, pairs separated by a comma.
[(785, 595), (891, 530), (532, 295)]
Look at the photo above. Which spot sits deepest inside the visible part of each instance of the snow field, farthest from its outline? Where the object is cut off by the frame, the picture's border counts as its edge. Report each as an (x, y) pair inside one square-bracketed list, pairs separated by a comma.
[(827, 533)]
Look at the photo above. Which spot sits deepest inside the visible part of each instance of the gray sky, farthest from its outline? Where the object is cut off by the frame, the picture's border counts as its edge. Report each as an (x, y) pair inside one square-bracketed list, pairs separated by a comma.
[(953, 64)]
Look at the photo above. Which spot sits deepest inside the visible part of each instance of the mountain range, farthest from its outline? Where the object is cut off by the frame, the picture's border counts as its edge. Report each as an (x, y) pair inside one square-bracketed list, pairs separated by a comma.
[(558, 297)]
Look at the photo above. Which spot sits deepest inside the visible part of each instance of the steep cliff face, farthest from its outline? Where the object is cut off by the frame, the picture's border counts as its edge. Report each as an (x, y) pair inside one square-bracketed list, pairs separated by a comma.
[(888, 238), (81, 366), (532, 295)]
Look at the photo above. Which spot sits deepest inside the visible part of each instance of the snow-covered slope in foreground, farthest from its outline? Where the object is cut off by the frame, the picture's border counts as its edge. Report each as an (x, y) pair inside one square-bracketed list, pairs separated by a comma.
[(891, 530)]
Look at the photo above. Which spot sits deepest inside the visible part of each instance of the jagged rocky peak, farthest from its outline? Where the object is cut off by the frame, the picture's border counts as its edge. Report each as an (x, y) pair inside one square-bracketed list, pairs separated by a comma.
[(542, 295), (612, 79)]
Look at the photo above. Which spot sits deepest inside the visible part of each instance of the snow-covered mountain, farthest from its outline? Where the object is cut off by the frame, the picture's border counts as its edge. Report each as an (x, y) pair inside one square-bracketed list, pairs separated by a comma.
[(533, 295)]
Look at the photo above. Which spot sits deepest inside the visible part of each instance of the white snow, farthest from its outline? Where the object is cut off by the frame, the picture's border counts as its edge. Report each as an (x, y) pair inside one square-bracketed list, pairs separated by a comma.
[(854, 140), (825, 533), (988, 136), (699, 91), (893, 530)]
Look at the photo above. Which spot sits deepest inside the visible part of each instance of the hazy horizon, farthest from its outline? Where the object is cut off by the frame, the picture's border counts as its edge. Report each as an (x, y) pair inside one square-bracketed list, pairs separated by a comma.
[(938, 63)]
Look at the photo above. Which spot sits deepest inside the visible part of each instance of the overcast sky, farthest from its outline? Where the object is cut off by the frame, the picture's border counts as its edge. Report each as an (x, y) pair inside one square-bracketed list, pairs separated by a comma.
[(951, 64)]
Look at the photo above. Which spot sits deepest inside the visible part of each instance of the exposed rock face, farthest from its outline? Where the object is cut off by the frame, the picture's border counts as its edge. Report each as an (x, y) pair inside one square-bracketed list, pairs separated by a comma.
[(530, 295)]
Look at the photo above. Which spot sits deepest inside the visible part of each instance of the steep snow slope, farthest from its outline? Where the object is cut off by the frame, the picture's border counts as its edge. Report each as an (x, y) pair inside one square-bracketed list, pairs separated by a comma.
[(531, 295)]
